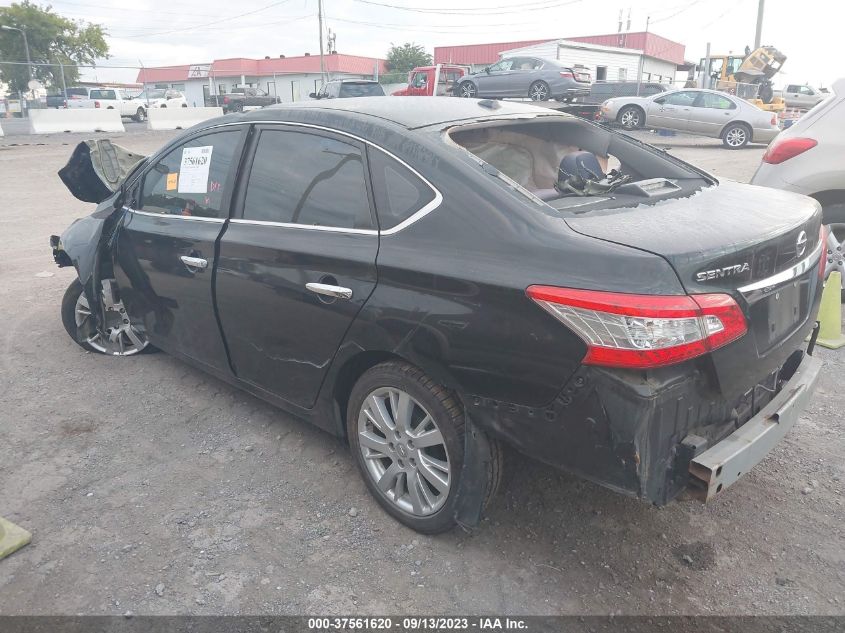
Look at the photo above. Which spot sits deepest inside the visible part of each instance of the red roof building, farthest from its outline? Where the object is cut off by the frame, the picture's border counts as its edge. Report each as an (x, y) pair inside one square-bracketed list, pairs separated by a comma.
[(649, 43), (477, 54)]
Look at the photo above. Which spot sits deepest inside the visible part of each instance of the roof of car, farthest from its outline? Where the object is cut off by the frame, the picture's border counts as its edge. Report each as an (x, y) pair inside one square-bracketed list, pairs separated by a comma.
[(409, 112)]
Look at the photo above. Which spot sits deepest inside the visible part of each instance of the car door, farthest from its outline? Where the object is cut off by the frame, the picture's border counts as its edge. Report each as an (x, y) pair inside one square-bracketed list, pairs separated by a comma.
[(298, 261), (710, 112), (525, 71), (671, 111), (165, 255), (494, 81), (807, 97)]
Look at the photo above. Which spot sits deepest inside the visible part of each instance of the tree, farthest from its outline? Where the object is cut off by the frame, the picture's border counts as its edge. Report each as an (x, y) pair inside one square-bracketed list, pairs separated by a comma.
[(53, 39), (401, 59)]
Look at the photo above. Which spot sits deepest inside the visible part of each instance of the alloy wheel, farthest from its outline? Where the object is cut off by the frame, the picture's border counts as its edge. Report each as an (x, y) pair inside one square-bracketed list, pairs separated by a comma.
[(539, 92), (736, 137), (630, 118), (835, 253), (121, 338), (404, 451), (468, 90)]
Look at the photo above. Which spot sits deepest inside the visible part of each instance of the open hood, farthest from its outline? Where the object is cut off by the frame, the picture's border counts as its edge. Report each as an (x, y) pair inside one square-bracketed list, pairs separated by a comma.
[(97, 168)]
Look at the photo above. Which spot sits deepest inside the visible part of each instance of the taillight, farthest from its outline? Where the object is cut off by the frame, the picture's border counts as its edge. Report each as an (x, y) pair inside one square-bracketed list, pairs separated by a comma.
[(566, 75), (774, 120), (786, 148), (225, 99), (96, 104), (642, 331)]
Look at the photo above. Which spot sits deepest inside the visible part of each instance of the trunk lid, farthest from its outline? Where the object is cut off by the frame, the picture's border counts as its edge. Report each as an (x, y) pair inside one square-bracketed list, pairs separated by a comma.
[(759, 245)]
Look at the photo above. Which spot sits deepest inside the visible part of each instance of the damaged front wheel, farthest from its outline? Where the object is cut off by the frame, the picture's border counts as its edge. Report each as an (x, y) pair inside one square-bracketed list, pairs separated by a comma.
[(118, 338)]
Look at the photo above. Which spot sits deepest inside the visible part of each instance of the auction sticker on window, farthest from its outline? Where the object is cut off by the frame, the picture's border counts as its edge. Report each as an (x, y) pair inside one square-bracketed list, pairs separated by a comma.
[(193, 172)]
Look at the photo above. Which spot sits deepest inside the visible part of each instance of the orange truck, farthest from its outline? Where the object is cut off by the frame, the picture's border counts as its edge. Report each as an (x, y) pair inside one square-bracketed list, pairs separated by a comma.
[(423, 79)]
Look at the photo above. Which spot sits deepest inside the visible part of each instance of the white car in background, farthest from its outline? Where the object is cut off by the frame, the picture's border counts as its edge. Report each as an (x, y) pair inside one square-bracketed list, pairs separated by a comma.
[(695, 111), (809, 158), (157, 98)]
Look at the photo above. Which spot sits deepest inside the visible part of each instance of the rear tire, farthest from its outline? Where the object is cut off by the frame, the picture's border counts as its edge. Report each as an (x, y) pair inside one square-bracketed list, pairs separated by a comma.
[(631, 118), (140, 115), (385, 451), (539, 91), (736, 136)]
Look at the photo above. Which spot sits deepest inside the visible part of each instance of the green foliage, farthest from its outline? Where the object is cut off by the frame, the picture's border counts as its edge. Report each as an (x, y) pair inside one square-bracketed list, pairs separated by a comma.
[(401, 59), (53, 39)]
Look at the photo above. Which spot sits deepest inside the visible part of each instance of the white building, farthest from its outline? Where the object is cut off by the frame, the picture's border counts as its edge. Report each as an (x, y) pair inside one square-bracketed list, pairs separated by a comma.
[(289, 78)]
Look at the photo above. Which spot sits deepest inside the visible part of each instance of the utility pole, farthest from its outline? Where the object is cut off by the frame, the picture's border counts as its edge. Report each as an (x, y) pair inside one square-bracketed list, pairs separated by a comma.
[(322, 59), (25, 46), (64, 85), (758, 34), (642, 56)]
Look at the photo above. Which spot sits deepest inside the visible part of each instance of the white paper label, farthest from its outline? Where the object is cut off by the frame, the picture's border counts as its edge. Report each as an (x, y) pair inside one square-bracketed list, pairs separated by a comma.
[(193, 173)]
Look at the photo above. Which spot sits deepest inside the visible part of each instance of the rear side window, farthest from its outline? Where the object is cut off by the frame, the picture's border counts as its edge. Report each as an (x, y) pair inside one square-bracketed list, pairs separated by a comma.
[(399, 193), (195, 179), (304, 178), (716, 102)]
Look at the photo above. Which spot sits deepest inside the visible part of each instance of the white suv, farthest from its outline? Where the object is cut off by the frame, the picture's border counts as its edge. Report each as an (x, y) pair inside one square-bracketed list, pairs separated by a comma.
[(809, 158)]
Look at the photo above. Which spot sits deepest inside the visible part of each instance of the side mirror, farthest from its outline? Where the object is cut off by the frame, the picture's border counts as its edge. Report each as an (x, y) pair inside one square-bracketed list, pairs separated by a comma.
[(313, 95)]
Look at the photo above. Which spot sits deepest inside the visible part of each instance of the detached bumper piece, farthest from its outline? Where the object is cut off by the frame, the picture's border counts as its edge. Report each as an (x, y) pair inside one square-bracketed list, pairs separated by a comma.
[(718, 467)]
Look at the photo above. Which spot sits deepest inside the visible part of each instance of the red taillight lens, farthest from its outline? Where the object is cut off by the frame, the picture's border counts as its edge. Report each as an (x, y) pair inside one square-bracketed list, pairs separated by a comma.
[(225, 99), (96, 104), (784, 149), (642, 331), (774, 120), (566, 75)]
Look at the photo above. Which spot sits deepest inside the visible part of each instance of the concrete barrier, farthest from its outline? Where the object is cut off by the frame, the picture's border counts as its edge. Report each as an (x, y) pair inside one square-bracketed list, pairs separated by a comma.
[(76, 120), (1, 130), (179, 118)]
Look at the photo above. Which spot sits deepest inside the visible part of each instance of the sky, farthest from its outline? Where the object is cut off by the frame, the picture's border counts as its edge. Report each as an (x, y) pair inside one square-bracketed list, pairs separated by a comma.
[(160, 32)]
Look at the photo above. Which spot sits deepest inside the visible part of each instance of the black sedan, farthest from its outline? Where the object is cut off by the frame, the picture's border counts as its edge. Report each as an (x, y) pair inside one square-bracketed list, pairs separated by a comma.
[(433, 278)]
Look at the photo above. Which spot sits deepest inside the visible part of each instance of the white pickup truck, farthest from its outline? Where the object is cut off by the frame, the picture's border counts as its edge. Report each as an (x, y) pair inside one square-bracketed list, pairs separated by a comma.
[(804, 97), (111, 99)]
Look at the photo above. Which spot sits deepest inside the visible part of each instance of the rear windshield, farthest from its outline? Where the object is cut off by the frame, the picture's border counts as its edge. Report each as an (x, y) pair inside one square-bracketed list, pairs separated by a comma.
[(77, 92), (103, 94), (348, 89), (574, 166)]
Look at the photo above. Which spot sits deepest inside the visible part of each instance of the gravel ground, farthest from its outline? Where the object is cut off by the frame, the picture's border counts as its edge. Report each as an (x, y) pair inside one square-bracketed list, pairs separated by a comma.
[(153, 488)]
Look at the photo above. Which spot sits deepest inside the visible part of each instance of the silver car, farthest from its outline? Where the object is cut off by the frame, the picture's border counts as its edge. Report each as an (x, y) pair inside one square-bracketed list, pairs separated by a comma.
[(696, 111), (809, 158), (534, 77)]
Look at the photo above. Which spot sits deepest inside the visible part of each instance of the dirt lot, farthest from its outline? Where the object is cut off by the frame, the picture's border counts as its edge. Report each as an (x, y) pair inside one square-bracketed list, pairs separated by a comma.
[(153, 488)]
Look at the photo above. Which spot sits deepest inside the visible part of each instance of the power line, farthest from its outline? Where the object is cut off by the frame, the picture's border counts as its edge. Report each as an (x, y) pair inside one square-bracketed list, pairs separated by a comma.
[(226, 19), (532, 6)]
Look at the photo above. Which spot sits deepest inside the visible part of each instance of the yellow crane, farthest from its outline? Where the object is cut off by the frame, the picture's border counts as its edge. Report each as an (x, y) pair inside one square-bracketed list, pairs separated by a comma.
[(749, 76)]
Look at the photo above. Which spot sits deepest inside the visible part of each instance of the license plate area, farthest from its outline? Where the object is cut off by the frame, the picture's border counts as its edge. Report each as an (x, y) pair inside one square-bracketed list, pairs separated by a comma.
[(779, 312)]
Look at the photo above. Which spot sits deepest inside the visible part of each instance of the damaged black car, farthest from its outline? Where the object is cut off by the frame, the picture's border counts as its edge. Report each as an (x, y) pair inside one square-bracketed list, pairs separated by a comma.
[(433, 279)]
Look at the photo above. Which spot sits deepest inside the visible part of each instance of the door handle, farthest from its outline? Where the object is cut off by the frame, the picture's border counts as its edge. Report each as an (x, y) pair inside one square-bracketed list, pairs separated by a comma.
[(338, 292), (194, 262)]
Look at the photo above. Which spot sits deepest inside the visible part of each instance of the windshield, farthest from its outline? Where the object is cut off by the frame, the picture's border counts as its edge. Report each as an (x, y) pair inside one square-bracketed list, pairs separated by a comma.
[(349, 89)]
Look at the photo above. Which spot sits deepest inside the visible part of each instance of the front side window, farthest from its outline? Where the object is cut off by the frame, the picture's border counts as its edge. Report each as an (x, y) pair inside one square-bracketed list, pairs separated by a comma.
[(806, 90), (398, 192), (304, 178), (102, 94), (683, 98), (505, 64), (195, 179)]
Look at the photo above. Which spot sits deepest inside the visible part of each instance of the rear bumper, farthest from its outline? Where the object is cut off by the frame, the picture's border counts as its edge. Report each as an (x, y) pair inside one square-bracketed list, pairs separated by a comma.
[(764, 135), (718, 467)]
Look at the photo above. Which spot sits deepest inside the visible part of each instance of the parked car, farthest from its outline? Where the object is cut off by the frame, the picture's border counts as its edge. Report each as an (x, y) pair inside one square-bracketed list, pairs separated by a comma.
[(601, 91), (240, 98), (804, 97), (111, 99), (432, 278), (696, 111), (159, 98), (533, 77), (58, 100), (809, 158), (423, 79), (343, 88)]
